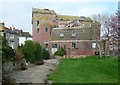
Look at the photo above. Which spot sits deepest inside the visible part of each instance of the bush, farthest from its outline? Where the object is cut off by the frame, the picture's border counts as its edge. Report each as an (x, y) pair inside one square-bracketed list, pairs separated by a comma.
[(61, 51), (38, 51)]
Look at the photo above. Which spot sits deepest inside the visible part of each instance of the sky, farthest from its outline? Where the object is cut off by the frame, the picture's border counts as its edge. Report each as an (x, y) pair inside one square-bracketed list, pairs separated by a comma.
[(18, 14)]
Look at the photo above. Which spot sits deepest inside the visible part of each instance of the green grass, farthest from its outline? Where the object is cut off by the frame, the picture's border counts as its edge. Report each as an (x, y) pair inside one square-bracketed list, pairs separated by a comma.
[(86, 70)]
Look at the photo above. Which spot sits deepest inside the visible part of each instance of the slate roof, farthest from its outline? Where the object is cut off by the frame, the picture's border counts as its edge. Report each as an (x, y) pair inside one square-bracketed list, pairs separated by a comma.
[(43, 11), (25, 34)]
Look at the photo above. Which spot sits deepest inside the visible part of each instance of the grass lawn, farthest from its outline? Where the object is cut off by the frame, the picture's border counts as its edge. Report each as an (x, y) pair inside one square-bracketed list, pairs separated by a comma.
[(86, 70)]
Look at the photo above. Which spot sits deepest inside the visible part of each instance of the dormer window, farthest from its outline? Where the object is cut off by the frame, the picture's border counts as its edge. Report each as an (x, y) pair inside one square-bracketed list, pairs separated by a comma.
[(61, 35)]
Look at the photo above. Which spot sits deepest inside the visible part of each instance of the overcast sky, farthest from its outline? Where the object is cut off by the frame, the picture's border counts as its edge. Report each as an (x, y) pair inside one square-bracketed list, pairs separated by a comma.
[(19, 14)]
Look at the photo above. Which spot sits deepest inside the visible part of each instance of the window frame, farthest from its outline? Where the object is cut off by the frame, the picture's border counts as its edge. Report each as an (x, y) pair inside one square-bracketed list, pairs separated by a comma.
[(74, 45)]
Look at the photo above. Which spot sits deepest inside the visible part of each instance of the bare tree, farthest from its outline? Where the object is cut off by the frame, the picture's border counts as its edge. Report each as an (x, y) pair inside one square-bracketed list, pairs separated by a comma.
[(102, 19), (114, 30)]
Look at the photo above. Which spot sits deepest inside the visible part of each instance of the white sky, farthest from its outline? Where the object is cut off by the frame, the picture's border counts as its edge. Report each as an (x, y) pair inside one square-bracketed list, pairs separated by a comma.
[(18, 13)]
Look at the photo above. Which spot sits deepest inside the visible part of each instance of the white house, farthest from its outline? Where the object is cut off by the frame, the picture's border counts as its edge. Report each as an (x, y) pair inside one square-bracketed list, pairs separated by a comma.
[(23, 37)]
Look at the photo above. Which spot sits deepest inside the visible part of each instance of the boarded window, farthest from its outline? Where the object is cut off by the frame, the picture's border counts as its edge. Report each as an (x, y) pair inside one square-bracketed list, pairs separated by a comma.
[(61, 35)]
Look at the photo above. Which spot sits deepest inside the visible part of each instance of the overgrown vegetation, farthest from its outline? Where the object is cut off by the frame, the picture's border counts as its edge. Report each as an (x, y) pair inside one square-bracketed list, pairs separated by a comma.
[(29, 51), (7, 52), (86, 70), (33, 51)]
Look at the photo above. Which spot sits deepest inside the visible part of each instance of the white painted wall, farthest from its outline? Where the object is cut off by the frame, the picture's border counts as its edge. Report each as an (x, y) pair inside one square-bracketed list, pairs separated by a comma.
[(23, 39)]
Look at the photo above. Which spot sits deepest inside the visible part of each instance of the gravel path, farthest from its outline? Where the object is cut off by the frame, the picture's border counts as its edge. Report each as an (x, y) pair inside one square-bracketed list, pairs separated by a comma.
[(35, 74)]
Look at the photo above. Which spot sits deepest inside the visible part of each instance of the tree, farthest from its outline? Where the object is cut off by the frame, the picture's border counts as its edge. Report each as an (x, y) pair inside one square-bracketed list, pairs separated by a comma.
[(114, 32), (28, 50), (33, 51), (7, 52), (38, 51), (105, 31)]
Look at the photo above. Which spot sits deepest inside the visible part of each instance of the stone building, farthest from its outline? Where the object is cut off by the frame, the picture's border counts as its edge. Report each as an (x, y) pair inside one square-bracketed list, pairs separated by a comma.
[(80, 35)]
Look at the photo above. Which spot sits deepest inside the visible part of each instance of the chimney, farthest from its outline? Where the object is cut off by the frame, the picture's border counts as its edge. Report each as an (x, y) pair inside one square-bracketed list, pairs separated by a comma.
[(10, 28), (21, 30), (13, 28)]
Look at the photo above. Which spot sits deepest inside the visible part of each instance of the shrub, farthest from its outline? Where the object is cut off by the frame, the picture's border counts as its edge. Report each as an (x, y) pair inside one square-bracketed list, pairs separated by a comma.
[(45, 54), (61, 51), (19, 54)]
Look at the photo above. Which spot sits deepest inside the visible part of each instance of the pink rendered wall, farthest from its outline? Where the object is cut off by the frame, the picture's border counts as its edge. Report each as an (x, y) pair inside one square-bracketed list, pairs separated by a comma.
[(41, 36)]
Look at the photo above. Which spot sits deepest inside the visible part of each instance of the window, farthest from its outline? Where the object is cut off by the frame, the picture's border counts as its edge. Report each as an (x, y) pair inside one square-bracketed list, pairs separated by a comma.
[(37, 23), (46, 29), (54, 45), (73, 34), (46, 45), (37, 30), (93, 45), (73, 45), (61, 35)]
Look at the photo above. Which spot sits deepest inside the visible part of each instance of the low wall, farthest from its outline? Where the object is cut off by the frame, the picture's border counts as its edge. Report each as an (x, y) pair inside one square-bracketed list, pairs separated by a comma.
[(11, 66)]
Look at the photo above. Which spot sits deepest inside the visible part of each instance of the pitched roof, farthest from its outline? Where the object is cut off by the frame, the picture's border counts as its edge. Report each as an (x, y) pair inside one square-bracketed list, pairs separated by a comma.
[(43, 11), (25, 34)]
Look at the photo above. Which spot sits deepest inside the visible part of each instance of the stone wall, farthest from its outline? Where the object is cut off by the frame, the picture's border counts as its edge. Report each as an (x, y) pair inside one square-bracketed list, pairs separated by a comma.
[(11, 66)]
